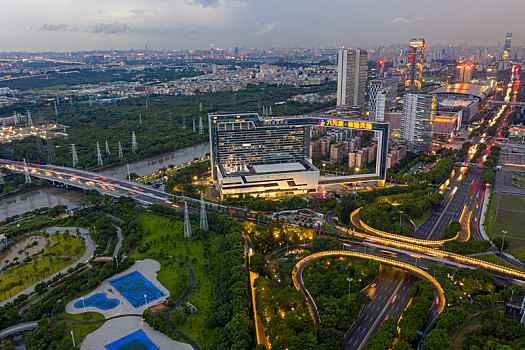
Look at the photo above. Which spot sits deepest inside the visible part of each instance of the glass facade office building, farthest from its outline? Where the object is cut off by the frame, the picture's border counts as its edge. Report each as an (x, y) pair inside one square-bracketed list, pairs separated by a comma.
[(247, 150), (240, 140)]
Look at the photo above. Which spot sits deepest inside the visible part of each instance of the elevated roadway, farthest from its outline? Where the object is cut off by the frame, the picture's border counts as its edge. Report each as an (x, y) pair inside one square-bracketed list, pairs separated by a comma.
[(382, 302)]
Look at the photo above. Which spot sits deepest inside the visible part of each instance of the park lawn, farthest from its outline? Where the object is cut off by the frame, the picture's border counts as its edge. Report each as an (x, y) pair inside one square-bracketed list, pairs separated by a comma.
[(174, 276), (164, 238), (70, 246), (22, 276), (80, 330), (418, 221), (193, 328), (493, 259), (507, 212), (519, 253), (87, 317)]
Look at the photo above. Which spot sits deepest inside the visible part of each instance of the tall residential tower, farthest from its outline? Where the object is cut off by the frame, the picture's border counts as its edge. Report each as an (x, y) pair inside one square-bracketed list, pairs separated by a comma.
[(506, 49), (351, 78), (418, 120)]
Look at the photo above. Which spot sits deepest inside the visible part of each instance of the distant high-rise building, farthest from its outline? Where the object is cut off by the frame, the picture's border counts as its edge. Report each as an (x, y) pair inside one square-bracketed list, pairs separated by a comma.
[(415, 58), (351, 78), (236, 51), (464, 72), (382, 94), (506, 49), (418, 120)]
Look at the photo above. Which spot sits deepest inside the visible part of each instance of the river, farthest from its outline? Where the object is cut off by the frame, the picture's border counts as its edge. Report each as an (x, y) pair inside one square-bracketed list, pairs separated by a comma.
[(72, 198)]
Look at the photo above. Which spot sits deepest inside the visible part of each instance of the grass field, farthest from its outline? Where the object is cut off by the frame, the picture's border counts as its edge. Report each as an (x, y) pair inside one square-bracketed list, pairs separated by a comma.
[(62, 253), (519, 253), (493, 259), (80, 331), (163, 239), (507, 212)]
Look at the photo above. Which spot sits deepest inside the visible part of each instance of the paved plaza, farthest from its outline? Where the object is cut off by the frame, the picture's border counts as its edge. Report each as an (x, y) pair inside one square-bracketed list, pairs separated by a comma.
[(148, 268), (118, 328), (122, 326)]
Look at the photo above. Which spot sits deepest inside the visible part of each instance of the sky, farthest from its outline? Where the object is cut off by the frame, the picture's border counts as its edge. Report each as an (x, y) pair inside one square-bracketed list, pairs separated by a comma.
[(71, 25)]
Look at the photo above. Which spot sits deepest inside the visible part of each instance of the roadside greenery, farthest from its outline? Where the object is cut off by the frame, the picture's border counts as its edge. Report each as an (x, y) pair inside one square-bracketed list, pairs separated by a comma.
[(326, 280), (451, 230)]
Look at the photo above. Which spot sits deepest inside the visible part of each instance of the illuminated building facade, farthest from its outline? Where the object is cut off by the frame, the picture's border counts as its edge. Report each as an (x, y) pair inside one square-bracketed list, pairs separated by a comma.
[(351, 78), (415, 59), (251, 154), (506, 48), (269, 156), (464, 72), (418, 120), (447, 124)]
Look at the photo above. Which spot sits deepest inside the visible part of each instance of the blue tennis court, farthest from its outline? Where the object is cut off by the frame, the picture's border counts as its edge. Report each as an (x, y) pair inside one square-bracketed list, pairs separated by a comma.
[(98, 300), (135, 341), (136, 288)]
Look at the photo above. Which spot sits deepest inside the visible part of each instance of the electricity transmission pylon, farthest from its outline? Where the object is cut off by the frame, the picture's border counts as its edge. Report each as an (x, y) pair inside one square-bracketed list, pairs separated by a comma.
[(26, 173), (134, 146), (187, 225), (204, 218), (194, 130), (201, 127), (29, 119), (99, 156), (107, 148), (74, 154), (120, 155), (51, 156)]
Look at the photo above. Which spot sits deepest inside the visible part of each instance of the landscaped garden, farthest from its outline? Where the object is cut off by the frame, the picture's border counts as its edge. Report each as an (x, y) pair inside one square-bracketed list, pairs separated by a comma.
[(29, 267)]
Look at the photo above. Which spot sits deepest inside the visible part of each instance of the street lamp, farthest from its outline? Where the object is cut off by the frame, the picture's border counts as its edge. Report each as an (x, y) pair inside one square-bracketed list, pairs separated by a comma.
[(349, 280), (400, 217), (146, 300), (503, 240), (84, 303)]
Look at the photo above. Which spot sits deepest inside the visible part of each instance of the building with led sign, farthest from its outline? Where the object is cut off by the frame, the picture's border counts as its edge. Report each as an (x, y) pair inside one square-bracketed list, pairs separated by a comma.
[(415, 59), (465, 97), (269, 156), (447, 124)]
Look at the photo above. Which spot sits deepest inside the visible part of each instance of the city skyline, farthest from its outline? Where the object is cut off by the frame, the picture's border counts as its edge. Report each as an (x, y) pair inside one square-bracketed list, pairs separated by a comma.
[(60, 25)]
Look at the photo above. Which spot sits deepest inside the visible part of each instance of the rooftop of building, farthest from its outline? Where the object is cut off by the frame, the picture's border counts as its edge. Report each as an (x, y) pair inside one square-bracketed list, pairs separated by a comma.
[(278, 168), (475, 90)]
